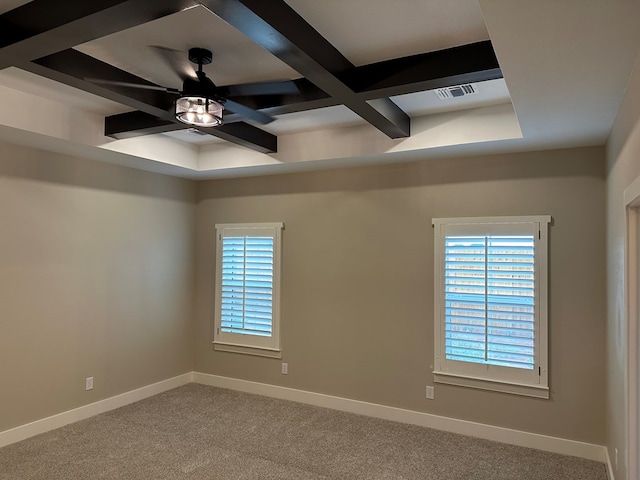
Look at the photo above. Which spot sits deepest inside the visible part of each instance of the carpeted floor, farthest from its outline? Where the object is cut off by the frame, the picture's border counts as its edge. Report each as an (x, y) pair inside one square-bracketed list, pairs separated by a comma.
[(200, 432)]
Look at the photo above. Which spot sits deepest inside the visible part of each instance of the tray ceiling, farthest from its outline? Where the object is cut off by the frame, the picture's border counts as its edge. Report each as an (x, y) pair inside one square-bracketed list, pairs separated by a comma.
[(365, 69)]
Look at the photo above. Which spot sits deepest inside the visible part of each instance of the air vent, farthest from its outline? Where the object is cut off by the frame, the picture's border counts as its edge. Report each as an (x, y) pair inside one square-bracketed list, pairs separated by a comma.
[(195, 131), (456, 91)]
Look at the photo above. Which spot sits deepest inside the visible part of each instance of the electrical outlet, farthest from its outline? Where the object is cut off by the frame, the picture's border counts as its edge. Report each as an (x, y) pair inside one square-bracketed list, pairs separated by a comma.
[(88, 383), (285, 368), (430, 392)]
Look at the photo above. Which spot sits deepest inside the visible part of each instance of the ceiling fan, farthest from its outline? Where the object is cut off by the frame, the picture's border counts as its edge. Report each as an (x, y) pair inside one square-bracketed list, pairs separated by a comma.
[(200, 101)]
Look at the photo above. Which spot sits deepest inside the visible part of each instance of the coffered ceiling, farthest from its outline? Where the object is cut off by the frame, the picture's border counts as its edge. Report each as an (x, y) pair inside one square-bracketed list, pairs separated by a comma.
[(544, 74)]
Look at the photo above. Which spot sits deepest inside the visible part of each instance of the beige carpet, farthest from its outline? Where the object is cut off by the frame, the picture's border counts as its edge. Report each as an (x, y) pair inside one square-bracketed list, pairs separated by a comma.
[(200, 432)]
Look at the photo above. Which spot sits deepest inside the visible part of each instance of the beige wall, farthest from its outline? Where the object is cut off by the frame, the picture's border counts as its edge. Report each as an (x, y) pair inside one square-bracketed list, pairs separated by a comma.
[(97, 270), (96, 279), (623, 167), (357, 302)]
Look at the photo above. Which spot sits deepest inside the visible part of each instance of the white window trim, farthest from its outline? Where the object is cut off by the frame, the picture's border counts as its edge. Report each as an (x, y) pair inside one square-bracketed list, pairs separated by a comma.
[(242, 343), (537, 388)]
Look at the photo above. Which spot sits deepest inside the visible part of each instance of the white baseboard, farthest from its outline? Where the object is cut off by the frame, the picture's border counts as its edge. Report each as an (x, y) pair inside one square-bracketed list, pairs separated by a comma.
[(56, 421), (609, 465), (489, 432)]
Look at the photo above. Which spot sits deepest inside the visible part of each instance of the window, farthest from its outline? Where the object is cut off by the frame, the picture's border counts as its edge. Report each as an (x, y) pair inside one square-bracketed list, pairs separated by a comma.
[(491, 303), (248, 288)]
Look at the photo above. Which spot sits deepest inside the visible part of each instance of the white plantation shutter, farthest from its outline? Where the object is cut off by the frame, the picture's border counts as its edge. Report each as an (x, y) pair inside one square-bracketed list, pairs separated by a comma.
[(247, 285), (490, 301)]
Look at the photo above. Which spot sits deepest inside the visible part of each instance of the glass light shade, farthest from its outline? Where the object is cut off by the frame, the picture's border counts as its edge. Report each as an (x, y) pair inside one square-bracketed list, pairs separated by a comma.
[(199, 111)]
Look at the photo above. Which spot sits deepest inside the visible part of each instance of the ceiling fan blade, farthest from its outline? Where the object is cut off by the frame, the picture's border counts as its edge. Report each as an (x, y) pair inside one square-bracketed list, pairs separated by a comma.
[(248, 113), (285, 87), (132, 85), (177, 60)]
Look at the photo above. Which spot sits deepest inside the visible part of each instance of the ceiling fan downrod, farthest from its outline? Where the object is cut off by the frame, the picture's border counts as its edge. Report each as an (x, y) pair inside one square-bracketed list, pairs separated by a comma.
[(200, 56)]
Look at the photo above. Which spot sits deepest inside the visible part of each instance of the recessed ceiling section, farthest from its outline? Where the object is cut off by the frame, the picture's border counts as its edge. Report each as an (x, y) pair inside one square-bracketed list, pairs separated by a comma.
[(366, 34), (333, 94), (150, 49), (318, 119), (566, 92)]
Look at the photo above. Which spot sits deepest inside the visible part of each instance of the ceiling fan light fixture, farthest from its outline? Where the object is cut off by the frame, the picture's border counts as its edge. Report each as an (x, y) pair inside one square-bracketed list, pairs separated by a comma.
[(199, 111)]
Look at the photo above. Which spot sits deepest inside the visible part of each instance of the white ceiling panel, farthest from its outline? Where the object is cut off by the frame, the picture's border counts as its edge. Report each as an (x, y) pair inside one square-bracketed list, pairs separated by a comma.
[(367, 32)]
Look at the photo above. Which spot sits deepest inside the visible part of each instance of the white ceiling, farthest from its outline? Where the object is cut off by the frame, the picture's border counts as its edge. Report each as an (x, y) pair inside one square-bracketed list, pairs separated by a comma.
[(368, 31), (565, 67)]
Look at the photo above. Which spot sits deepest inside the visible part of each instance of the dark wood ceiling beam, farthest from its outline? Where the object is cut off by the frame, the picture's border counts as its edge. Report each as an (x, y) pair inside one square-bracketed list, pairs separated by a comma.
[(309, 97), (280, 30), (71, 67), (465, 64), (43, 27), (288, 105), (137, 124), (426, 71), (475, 62)]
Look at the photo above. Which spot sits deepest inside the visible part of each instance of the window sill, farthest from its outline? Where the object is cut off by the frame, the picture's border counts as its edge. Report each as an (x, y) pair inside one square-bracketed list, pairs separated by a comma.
[(261, 352), (488, 384)]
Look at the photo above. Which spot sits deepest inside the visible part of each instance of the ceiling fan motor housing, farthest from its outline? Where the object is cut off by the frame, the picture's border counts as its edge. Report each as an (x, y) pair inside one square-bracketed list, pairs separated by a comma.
[(200, 56), (199, 87)]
